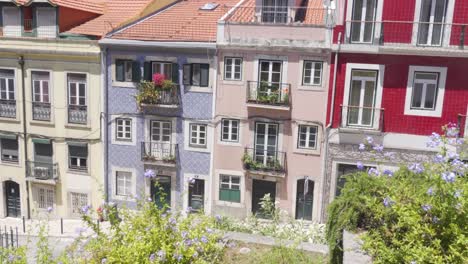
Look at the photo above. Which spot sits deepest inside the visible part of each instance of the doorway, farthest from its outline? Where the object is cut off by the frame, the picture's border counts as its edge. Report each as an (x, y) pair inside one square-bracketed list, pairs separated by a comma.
[(160, 191), (197, 195), (259, 190), (13, 203), (304, 199)]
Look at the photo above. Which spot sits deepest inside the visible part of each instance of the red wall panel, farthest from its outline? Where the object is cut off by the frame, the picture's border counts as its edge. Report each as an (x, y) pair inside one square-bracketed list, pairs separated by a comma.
[(70, 18)]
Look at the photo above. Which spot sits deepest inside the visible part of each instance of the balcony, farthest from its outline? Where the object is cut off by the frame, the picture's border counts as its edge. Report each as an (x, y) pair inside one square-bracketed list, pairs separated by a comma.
[(414, 34), (151, 96), (357, 118), (41, 111), (269, 95), (42, 171), (265, 162), (8, 108), (77, 114), (158, 152)]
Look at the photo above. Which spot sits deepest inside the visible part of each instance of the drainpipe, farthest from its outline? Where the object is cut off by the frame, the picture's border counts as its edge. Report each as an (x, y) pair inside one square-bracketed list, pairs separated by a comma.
[(25, 133), (213, 115), (105, 120), (328, 128)]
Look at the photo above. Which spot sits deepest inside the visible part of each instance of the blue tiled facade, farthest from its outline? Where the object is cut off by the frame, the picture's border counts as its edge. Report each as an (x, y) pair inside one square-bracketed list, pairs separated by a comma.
[(121, 101)]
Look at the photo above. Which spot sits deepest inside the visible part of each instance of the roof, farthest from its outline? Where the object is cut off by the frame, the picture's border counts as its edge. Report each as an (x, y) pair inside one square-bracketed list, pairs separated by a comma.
[(93, 6), (184, 22), (313, 13)]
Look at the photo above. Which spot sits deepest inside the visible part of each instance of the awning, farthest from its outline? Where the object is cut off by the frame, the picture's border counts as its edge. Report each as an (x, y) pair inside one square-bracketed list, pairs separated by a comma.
[(41, 140), (8, 136)]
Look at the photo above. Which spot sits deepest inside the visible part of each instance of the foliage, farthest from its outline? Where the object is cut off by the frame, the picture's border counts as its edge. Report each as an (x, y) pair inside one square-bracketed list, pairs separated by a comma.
[(251, 164), (417, 214), (151, 92), (13, 255)]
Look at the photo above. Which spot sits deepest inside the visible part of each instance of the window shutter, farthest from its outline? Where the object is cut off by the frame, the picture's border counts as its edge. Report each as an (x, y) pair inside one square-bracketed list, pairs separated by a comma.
[(204, 74), (175, 73), (136, 71), (147, 71), (119, 70), (187, 74)]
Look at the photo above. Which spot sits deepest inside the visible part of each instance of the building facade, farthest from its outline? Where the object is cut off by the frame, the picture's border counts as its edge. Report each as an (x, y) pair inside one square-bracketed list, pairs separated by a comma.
[(399, 77), (271, 107)]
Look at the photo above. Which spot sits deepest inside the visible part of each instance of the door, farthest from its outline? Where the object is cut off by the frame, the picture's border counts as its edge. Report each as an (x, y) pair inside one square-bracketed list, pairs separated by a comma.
[(197, 195), (269, 79), (266, 143), (431, 22), (160, 145), (13, 203), (361, 105), (259, 190), (363, 17), (160, 191), (304, 199), (43, 163)]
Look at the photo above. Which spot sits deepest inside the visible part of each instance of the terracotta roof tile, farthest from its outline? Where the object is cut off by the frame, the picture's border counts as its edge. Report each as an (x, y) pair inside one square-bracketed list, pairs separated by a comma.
[(93, 6), (183, 21)]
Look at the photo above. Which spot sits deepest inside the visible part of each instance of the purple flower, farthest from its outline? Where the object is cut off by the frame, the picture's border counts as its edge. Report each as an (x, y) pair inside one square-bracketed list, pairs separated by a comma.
[(430, 191), (218, 218), (448, 177), (426, 207), (388, 202), (435, 219), (188, 242), (172, 221), (204, 239), (388, 172), (189, 210), (452, 155), (378, 148), (359, 165), (50, 209), (150, 173), (149, 199), (195, 255), (209, 230), (434, 140), (373, 172), (362, 147), (184, 234), (162, 255), (460, 141), (416, 168), (11, 258), (389, 155), (439, 158), (85, 209), (152, 257), (178, 257), (413, 262), (369, 140), (457, 194), (231, 244), (80, 230), (452, 131)]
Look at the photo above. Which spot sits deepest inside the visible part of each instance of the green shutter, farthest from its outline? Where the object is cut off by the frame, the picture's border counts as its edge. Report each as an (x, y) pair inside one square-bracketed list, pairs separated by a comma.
[(136, 71), (41, 140), (8, 136), (229, 195), (187, 74), (175, 73), (120, 70), (147, 71), (235, 196), (224, 195)]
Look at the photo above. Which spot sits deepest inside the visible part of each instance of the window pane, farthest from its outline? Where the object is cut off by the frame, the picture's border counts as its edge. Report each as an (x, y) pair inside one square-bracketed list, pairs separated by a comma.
[(417, 95), (429, 101), (196, 74)]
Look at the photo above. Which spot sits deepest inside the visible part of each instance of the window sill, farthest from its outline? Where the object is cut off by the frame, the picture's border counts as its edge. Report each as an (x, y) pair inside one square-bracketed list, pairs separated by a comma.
[(41, 123), (233, 82), (197, 89), (78, 172), (10, 164), (117, 84), (78, 126), (307, 152), (427, 113), (311, 88), (123, 142), (194, 149), (229, 144), (230, 204), (10, 120)]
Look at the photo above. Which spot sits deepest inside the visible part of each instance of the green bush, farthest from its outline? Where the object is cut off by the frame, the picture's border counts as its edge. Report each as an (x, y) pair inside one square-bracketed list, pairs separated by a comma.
[(417, 214)]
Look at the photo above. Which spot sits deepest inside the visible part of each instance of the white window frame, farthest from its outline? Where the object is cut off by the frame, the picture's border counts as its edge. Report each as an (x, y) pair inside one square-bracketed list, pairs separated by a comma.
[(79, 167), (187, 136), (217, 183), (126, 127), (349, 15), (47, 190), (308, 135), (379, 89), (312, 72), (230, 127), (8, 162), (115, 83), (133, 188), (232, 67), (196, 128), (77, 84), (8, 88), (162, 66), (114, 140), (77, 213), (41, 86), (48, 33), (448, 23), (437, 112)]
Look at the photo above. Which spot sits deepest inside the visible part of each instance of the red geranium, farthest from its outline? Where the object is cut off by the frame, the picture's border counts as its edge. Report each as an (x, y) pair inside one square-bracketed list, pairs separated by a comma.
[(158, 79)]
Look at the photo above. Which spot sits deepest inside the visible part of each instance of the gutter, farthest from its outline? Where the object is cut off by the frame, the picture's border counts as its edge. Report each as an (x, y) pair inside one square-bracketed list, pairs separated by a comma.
[(48, 52), (104, 75), (25, 134), (327, 130), (157, 44)]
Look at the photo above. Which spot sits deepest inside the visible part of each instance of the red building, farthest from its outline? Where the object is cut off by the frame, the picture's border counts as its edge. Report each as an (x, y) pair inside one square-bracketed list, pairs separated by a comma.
[(399, 72)]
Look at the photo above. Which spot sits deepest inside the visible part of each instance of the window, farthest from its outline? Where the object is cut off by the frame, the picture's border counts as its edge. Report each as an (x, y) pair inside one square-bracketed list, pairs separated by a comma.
[(230, 130), (363, 16), (45, 198), (233, 69), (424, 90), (362, 98), (196, 74), (229, 188), (123, 129), (198, 135), (275, 11), (164, 68), (432, 22), (123, 183), (312, 73), (9, 149), (307, 138), (40, 80), (78, 201), (7, 85), (78, 157), (27, 19), (77, 89), (127, 70), (11, 16), (46, 23)]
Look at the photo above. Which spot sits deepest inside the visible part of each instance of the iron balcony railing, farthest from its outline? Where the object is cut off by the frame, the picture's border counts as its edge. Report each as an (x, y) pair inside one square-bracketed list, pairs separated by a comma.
[(42, 170), (41, 111), (28, 25), (388, 32), (264, 159), (159, 151), (361, 117), (8, 108), (77, 114), (164, 97), (268, 93)]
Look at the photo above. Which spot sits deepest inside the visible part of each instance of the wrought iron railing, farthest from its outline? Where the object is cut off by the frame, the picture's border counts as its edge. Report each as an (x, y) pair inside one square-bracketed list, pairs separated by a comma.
[(42, 170), (8, 108), (77, 114), (41, 111), (264, 159), (28, 25), (159, 151), (268, 93), (361, 117)]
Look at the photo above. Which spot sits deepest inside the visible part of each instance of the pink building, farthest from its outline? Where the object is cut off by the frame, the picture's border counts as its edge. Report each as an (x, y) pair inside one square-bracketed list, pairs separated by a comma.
[(270, 106)]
